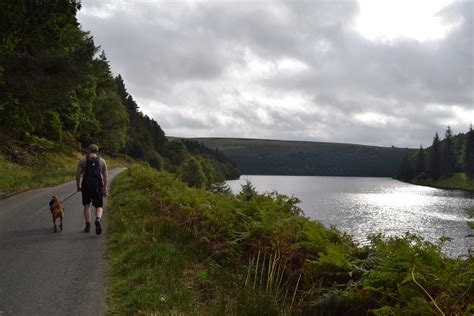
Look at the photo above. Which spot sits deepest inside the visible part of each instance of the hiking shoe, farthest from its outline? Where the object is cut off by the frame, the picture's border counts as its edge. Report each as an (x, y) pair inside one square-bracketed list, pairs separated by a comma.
[(88, 228), (98, 228)]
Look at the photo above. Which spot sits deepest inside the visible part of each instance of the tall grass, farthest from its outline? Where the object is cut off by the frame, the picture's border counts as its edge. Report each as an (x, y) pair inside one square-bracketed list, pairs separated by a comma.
[(39, 164), (260, 255), (53, 169)]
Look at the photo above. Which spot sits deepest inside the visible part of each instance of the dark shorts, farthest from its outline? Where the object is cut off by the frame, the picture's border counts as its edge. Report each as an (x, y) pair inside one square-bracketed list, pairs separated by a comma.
[(94, 196)]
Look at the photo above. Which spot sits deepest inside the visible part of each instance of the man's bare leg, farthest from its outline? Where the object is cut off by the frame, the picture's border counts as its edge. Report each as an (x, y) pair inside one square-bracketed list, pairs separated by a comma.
[(98, 212), (87, 217), (98, 216), (87, 213)]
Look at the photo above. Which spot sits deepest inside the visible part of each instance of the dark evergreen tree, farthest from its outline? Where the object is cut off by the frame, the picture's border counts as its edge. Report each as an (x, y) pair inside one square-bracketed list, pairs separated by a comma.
[(145, 138), (443, 158), (53, 83), (121, 90), (108, 109), (221, 188), (176, 152), (434, 158), (447, 155), (157, 135), (468, 153), (248, 191), (192, 173), (44, 57), (405, 172), (420, 163)]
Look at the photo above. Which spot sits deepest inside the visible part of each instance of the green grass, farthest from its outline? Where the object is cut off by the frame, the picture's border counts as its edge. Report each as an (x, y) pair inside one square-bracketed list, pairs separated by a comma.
[(145, 272), (45, 169), (53, 169), (178, 250), (459, 181), (158, 267)]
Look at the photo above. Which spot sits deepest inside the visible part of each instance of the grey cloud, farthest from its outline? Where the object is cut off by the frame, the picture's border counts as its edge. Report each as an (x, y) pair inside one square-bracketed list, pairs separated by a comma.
[(439, 72), (179, 55)]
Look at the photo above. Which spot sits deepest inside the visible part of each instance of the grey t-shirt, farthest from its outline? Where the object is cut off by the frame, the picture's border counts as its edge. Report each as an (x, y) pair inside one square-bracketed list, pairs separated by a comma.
[(83, 163)]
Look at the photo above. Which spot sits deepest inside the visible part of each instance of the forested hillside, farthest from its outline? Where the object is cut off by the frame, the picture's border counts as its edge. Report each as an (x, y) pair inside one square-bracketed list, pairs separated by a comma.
[(447, 163), (275, 157), (58, 92)]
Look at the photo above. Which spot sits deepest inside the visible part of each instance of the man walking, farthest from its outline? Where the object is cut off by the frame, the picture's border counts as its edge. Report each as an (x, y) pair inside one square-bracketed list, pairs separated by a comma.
[(93, 186)]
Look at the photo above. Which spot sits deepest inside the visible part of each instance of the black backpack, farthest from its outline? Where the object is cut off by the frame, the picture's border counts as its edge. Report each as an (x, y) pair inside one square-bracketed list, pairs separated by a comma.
[(93, 174)]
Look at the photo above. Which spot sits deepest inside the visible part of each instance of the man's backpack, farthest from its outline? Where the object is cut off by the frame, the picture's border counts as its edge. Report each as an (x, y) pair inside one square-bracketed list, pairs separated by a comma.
[(93, 174)]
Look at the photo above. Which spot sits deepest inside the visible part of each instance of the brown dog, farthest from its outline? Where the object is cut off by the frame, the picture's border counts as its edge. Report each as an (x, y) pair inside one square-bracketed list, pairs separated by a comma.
[(57, 211)]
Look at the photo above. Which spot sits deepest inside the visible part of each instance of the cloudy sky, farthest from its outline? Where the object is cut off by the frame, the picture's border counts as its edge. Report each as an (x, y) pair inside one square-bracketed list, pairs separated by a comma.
[(369, 72)]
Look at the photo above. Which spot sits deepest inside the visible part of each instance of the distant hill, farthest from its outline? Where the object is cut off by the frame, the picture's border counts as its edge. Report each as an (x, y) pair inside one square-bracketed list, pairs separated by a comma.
[(276, 157)]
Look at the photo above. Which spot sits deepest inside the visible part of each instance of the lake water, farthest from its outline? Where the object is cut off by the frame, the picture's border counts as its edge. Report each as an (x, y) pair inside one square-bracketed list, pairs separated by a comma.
[(362, 206)]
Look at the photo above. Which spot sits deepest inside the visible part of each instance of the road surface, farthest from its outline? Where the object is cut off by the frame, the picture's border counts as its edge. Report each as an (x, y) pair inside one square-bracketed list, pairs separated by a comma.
[(47, 273)]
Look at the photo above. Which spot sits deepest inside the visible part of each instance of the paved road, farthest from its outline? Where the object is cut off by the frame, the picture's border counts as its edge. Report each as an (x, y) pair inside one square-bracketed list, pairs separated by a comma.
[(46, 273)]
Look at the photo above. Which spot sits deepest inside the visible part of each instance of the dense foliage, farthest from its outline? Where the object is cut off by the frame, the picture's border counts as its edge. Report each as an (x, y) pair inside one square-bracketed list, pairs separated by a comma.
[(445, 158), (273, 157), (228, 167), (52, 82), (145, 138), (256, 254), (55, 85)]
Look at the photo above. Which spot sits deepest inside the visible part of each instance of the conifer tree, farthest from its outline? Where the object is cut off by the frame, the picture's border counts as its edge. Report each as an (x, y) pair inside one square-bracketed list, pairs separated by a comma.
[(44, 57), (121, 90), (191, 172), (405, 172), (420, 165), (248, 191), (468, 153), (448, 158), (176, 151), (108, 108), (434, 165), (145, 138), (221, 188)]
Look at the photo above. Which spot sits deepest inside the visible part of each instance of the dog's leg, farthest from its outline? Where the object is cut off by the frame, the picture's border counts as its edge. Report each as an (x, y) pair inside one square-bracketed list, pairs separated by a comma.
[(54, 222)]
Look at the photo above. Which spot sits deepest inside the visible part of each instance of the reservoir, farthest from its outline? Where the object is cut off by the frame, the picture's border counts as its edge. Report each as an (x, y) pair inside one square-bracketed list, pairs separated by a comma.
[(364, 206)]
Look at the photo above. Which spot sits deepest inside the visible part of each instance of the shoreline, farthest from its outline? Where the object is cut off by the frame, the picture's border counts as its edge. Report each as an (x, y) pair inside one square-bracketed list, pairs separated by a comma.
[(458, 181)]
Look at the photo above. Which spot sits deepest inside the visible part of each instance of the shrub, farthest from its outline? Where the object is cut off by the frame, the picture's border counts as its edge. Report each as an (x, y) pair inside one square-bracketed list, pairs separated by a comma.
[(294, 264)]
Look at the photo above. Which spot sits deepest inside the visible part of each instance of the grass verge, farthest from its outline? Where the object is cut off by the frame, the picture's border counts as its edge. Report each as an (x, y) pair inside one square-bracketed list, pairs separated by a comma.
[(145, 271), (50, 170), (178, 250), (158, 267), (459, 181), (38, 164)]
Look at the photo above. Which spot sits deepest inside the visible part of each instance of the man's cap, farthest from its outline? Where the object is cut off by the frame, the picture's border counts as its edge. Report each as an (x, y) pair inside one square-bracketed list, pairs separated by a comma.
[(93, 149)]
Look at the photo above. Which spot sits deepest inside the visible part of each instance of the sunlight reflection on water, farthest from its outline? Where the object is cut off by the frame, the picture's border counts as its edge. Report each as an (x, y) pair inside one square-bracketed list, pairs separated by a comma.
[(363, 206)]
